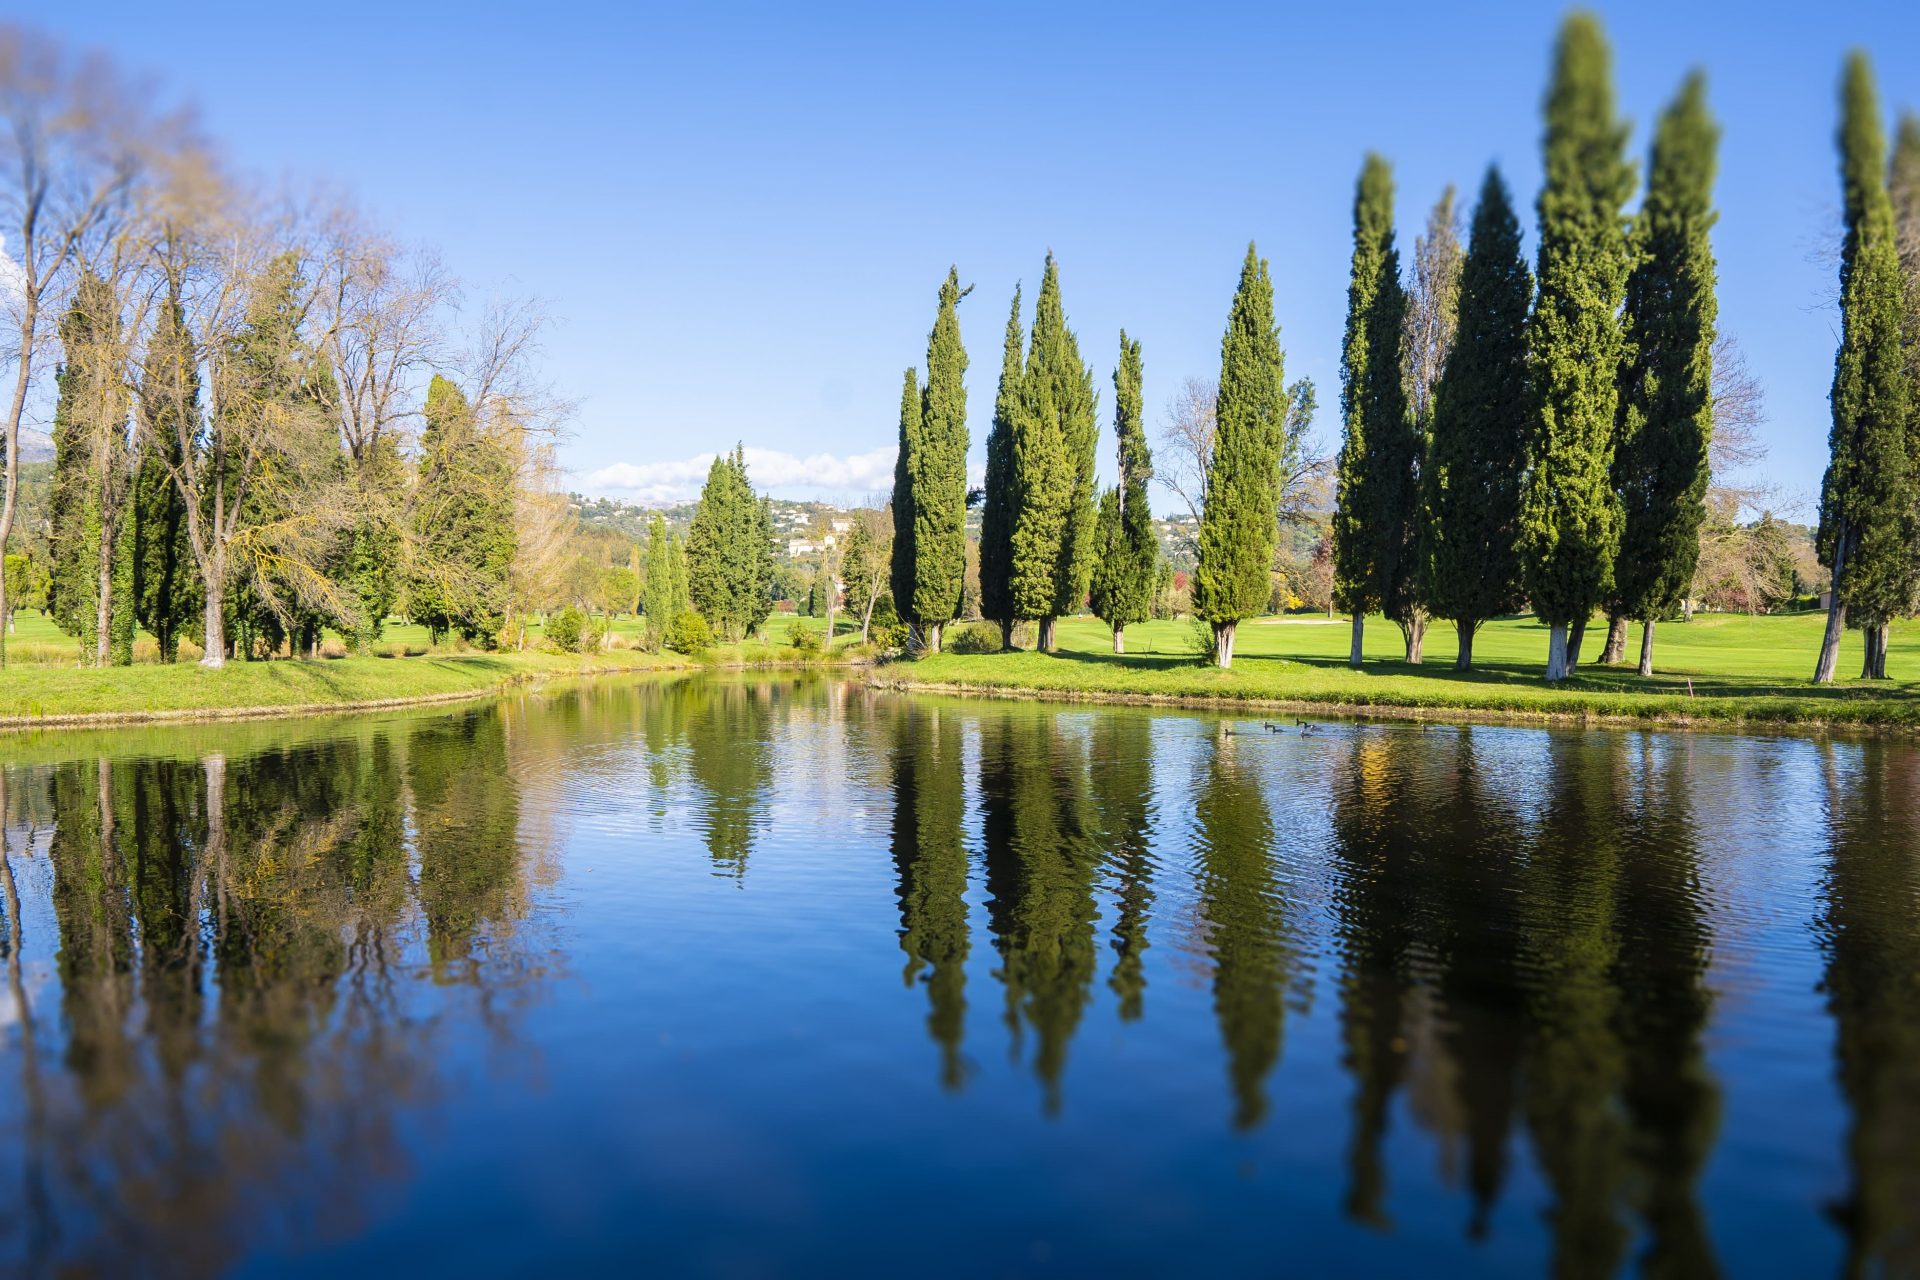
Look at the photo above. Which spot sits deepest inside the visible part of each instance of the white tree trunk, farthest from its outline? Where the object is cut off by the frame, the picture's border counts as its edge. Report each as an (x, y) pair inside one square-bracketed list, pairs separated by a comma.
[(1556, 651), (1119, 637), (1223, 644), (1359, 632), (1646, 647)]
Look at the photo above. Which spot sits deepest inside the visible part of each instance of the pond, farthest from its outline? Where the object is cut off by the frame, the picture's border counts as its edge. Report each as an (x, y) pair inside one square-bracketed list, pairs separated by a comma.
[(746, 976)]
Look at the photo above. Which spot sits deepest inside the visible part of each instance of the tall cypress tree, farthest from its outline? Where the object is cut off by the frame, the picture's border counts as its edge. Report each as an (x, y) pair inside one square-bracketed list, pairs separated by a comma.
[(165, 592), (1373, 525), (930, 567), (1126, 549), (1239, 526), (1482, 408), (1053, 465), (463, 522), (657, 595), (1570, 517), (1867, 495), (1666, 394), (997, 512), (900, 575)]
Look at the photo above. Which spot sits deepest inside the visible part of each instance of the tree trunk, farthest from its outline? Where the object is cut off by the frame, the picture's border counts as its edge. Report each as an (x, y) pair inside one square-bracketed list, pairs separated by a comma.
[(933, 636), (103, 601), (1875, 665), (831, 602), (1646, 647), (1880, 655), (1045, 642), (1359, 633), (10, 459), (1465, 627), (1223, 644), (1119, 637), (1836, 619), (1686, 609), (1616, 651), (1556, 651), (1006, 633), (1576, 635), (1414, 632), (215, 654)]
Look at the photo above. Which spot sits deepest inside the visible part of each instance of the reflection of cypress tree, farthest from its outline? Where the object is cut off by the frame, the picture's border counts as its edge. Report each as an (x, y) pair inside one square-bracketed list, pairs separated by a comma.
[(96, 929), (1872, 941), (930, 852), (1671, 1098), (1253, 955), (1123, 790), (1480, 998), (1376, 826), (1041, 860), (466, 830), (1576, 1063), (730, 759), (165, 823)]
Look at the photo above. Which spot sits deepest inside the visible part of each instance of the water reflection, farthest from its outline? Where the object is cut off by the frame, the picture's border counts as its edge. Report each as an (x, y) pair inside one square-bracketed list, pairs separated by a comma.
[(231, 942), (1458, 976)]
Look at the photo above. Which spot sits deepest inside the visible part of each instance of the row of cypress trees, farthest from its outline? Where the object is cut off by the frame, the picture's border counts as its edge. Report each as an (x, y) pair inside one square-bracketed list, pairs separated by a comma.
[(1869, 534), (1049, 543), (1563, 458)]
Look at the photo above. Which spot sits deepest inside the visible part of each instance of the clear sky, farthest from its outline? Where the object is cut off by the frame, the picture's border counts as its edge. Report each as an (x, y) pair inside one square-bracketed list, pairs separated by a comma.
[(739, 215)]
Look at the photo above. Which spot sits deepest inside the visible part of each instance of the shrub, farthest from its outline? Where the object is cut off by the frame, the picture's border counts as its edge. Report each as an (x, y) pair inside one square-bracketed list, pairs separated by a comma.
[(591, 634), (805, 640), (564, 629), (886, 630), (973, 637), (689, 634)]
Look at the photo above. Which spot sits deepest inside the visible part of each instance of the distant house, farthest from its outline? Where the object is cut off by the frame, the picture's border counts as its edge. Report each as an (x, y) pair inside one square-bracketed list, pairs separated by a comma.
[(797, 547), (841, 526)]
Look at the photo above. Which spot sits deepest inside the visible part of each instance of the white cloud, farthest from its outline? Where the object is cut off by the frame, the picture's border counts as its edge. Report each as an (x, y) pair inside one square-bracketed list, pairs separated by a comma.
[(823, 474)]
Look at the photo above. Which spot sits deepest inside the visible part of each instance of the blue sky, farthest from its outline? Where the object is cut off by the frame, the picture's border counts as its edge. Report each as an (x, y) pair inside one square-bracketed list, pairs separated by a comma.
[(739, 216)]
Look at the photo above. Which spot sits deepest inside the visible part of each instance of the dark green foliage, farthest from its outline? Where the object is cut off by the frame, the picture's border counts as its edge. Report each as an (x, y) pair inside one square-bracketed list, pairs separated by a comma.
[(1239, 528), (657, 596), (464, 539), (729, 553), (565, 628), (1373, 524), (1570, 519), (1482, 410), (933, 464), (900, 578), (1867, 498), (997, 512), (1053, 466), (1666, 394), (1126, 546), (165, 585)]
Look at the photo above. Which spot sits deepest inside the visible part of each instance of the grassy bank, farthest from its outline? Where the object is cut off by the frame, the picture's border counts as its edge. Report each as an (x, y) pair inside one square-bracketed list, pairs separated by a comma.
[(45, 694), (1719, 668)]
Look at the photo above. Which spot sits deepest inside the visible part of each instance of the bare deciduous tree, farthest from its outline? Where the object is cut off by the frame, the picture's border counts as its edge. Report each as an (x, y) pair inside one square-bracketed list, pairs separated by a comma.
[(1186, 451), (1433, 292)]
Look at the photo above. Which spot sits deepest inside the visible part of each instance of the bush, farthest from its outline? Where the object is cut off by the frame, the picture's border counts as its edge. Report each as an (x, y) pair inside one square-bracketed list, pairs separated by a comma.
[(591, 634), (563, 629), (886, 630), (805, 640), (689, 634), (973, 637)]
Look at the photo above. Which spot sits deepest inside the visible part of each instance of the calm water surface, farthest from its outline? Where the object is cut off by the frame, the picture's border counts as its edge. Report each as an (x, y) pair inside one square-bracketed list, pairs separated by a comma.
[(751, 977)]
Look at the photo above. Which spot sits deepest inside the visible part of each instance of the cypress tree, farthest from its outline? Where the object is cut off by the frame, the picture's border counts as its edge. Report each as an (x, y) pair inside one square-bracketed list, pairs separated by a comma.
[(930, 567), (1666, 394), (1238, 527), (1570, 517), (1867, 495), (463, 522), (1053, 465), (997, 512), (658, 592), (1476, 451), (900, 576), (71, 582), (1373, 524), (164, 589), (729, 552), (1126, 548), (90, 482), (680, 597)]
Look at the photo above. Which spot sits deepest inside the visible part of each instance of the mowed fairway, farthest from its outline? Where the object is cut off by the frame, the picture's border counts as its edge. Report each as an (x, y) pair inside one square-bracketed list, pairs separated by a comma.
[(1718, 667)]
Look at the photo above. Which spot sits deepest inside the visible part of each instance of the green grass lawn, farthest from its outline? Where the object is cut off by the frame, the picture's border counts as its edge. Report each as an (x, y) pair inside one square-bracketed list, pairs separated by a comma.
[(1752, 669), (43, 679)]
